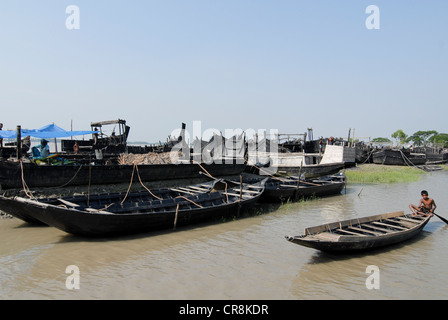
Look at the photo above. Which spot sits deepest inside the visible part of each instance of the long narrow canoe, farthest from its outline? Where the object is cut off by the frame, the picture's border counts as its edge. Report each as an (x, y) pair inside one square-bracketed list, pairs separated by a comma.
[(110, 217), (363, 233), (101, 200)]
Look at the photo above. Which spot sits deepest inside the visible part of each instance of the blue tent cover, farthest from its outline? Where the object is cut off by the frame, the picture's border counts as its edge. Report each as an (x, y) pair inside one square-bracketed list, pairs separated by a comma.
[(46, 132)]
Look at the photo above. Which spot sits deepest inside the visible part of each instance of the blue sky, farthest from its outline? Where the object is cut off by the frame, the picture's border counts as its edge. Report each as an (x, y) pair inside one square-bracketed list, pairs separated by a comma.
[(248, 64)]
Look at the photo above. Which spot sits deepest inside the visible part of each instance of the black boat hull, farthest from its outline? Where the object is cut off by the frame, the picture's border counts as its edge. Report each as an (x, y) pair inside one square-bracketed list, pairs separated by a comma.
[(397, 157), (138, 216), (73, 175), (276, 191)]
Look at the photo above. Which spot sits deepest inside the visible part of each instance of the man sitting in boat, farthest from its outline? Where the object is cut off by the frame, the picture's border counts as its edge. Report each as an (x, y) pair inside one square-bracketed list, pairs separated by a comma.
[(41, 151), (426, 205)]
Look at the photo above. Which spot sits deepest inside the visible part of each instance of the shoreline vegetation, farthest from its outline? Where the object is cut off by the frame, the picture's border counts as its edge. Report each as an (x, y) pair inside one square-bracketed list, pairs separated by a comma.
[(373, 173)]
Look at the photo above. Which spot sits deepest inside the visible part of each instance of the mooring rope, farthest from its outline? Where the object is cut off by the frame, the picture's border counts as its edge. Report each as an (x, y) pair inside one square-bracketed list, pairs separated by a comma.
[(26, 189), (207, 173), (141, 182), (130, 184), (406, 162), (190, 201), (139, 178)]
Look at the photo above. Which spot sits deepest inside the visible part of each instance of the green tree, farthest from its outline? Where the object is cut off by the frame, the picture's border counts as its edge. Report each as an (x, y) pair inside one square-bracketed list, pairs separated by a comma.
[(422, 137), (440, 138), (400, 136), (381, 140)]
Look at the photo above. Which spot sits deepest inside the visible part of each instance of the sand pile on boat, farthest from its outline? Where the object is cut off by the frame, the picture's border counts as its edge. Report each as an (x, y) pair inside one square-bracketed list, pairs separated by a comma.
[(149, 158)]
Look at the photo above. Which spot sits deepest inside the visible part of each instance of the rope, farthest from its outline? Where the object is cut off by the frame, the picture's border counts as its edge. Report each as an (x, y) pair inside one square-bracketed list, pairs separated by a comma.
[(190, 201), (368, 157), (194, 161), (79, 169), (139, 178), (406, 158), (175, 217), (24, 185), (207, 173), (130, 184), (138, 174)]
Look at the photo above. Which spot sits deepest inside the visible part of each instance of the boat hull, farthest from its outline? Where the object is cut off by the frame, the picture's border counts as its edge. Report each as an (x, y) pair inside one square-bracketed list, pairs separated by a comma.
[(73, 175), (331, 242), (276, 191), (397, 157), (139, 217)]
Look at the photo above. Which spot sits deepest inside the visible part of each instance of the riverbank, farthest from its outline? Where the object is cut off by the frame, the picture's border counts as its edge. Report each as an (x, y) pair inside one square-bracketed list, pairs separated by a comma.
[(375, 173)]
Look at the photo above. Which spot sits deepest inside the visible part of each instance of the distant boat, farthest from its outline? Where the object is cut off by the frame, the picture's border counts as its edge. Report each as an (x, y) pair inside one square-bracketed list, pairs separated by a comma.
[(400, 157), (311, 165), (293, 188), (436, 155), (363, 233), (106, 216)]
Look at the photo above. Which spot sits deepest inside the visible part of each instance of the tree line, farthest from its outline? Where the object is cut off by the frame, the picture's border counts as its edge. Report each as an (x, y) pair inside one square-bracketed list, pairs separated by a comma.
[(419, 138)]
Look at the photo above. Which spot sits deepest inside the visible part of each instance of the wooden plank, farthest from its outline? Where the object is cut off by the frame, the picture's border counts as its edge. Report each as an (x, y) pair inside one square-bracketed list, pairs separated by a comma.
[(378, 228), (327, 236), (365, 230), (351, 233), (409, 220), (288, 185), (188, 189), (237, 195), (68, 203), (200, 189), (178, 190), (248, 191), (389, 225), (417, 217), (256, 187), (401, 223)]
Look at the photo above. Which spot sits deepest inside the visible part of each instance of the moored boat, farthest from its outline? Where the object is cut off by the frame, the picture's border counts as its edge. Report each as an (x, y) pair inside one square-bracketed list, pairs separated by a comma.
[(293, 188), (363, 233), (398, 157), (110, 217), (16, 174), (100, 200)]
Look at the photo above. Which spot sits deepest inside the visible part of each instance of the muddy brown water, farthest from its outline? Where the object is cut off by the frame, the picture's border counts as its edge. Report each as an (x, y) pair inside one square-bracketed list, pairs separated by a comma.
[(241, 259)]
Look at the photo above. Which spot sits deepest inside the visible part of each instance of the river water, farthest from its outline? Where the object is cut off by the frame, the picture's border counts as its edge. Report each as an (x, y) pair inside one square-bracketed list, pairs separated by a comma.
[(241, 259)]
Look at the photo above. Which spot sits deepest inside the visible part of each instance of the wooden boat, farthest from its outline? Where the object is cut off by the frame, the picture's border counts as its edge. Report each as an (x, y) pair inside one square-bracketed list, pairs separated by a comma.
[(313, 170), (107, 216), (293, 188), (363, 233), (398, 157), (363, 153), (12, 173), (309, 170), (100, 200), (436, 156), (113, 143)]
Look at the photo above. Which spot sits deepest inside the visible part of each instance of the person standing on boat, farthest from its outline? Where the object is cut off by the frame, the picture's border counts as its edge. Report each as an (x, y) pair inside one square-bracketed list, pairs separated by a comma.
[(41, 151), (76, 147), (426, 205)]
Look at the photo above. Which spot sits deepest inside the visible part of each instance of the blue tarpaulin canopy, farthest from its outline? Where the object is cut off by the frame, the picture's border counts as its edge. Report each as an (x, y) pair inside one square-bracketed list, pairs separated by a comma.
[(46, 132)]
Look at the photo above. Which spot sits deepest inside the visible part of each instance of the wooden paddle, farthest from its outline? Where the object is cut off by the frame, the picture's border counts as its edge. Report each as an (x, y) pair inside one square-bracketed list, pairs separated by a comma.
[(441, 218)]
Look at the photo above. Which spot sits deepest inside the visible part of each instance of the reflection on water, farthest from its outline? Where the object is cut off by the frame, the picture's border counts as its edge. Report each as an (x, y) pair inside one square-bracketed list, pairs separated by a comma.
[(243, 259)]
